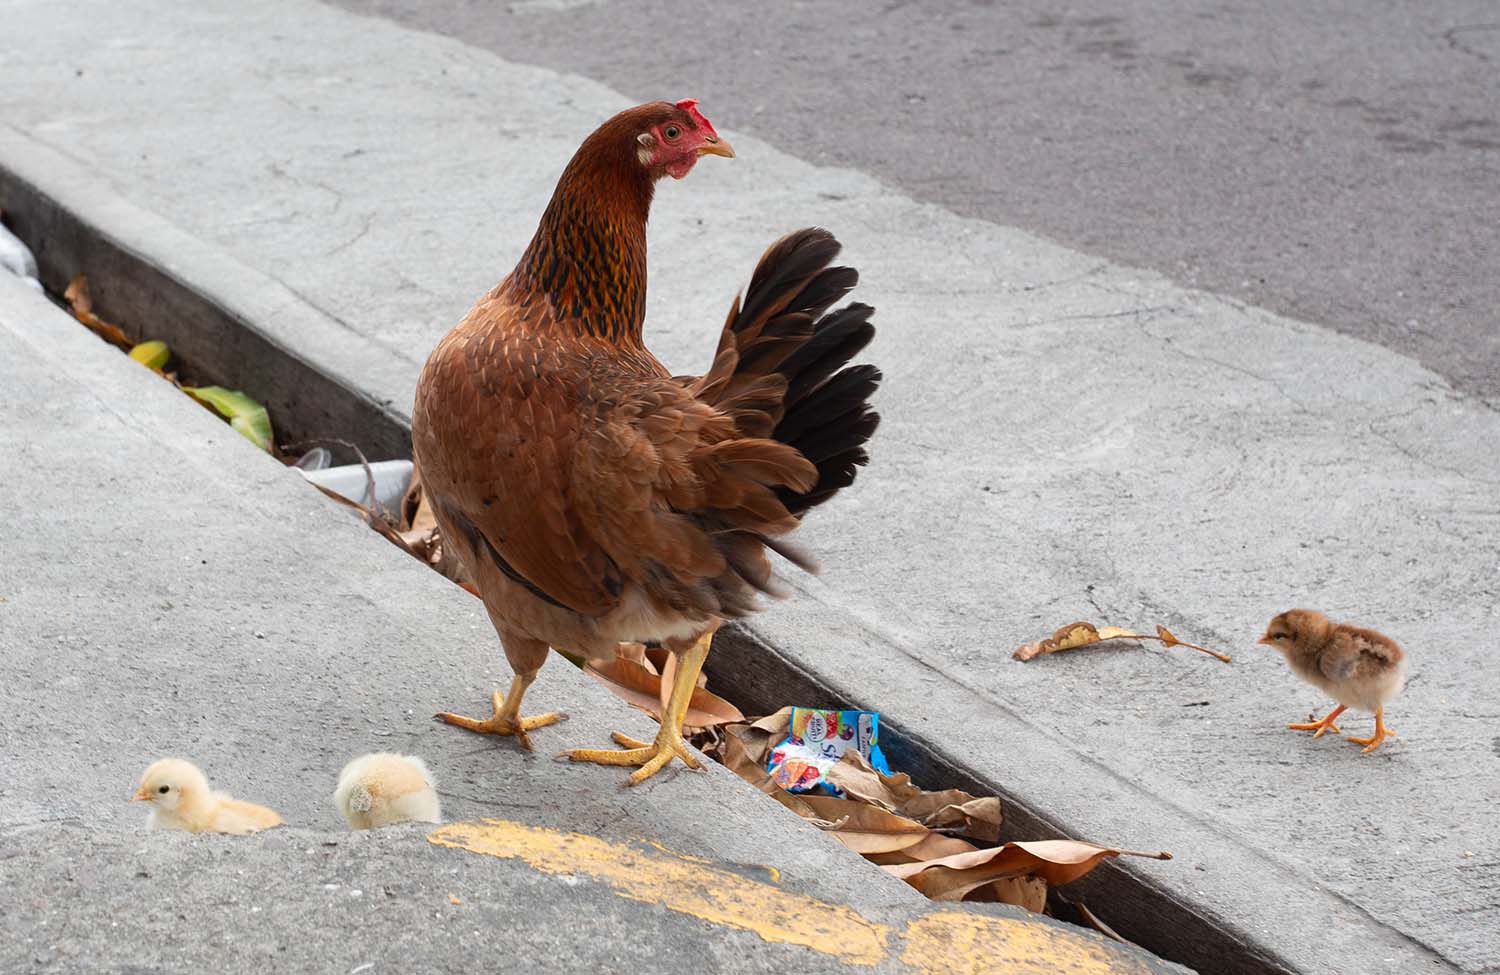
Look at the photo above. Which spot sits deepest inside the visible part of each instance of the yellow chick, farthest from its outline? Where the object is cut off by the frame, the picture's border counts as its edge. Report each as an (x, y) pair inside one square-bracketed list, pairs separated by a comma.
[(1359, 668), (383, 787), (181, 799)]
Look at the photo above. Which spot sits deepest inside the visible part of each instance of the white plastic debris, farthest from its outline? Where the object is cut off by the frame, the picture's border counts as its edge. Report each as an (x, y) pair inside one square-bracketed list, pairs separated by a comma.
[(391, 480), (17, 258)]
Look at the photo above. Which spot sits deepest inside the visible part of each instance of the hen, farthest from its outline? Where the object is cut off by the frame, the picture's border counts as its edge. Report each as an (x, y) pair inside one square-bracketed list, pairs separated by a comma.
[(594, 497)]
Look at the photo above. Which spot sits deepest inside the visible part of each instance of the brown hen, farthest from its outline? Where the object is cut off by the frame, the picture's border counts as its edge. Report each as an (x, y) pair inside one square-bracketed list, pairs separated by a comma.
[(594, 497)]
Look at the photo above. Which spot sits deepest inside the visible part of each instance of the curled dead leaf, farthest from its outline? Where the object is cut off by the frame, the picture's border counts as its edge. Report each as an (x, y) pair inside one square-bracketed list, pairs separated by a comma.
[(863, 828), (1056, 862), (1084, 634), (639, 687), (948, 809), (78, 299)]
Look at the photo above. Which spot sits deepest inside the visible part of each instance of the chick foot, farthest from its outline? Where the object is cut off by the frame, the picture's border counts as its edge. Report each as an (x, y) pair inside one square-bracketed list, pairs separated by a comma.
[(651, 758), (506, 720), (1321, 726), (1381, 734)]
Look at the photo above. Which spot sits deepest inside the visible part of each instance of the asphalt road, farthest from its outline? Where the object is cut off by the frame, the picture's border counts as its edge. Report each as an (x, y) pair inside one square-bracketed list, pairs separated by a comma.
[(1338, 162)]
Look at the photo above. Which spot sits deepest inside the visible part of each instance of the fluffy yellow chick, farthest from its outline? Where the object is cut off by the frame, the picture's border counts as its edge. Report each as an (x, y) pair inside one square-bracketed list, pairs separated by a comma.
[(1359, 668), (383, 787), (181, 799)]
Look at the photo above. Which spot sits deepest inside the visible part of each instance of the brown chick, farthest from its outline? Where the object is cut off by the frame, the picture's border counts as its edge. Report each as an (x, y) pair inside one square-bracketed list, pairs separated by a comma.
[(181, 799), (1360, 668)]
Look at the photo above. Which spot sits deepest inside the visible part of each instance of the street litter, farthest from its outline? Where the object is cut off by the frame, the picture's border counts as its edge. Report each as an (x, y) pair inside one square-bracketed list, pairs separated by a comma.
[(815, 743)]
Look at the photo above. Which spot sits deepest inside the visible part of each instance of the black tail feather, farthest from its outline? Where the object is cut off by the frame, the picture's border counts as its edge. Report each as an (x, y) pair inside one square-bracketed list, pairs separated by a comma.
[(826, 413)]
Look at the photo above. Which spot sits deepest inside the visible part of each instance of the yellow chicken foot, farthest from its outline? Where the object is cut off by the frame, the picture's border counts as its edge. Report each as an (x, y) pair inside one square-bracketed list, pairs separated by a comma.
[(1381, 733), (1320, 726), (507, 718), (654, 757)]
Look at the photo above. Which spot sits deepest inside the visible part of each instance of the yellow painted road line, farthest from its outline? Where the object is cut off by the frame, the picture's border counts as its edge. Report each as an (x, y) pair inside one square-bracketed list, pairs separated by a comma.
[(686, 885), (944, 941), (960, 943)]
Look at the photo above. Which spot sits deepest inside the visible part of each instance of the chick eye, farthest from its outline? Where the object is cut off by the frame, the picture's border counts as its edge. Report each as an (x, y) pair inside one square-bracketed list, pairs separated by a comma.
[(671, 132), (164, 789)]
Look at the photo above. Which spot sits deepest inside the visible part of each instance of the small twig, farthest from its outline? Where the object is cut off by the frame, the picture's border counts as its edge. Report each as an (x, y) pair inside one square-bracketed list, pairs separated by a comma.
[(1174, 642), (1159, 855), (1099, 925), (371, 509)]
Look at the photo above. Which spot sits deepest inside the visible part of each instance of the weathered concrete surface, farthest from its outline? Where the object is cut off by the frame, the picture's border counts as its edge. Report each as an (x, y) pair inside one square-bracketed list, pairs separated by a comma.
[(1337, 162), (1063, 439), (165, 588)]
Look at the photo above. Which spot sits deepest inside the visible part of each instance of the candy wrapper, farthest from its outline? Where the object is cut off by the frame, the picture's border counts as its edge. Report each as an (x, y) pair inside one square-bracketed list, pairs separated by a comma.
[(815, 743)]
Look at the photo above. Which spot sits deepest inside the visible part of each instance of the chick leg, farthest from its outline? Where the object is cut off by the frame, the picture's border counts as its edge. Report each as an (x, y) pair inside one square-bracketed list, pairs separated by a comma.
[(1381, 733), (1320, 726), (507, 718), (653, 757)]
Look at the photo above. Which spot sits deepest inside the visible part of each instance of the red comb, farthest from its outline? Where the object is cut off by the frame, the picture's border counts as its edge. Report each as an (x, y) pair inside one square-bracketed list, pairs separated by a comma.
[(690, 105)]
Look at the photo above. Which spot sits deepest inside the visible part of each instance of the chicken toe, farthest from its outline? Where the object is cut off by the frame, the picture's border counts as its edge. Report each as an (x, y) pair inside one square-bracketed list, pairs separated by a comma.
[(1381, 734), (1320, 726), (654, 757), (651, 758), (507, 719)]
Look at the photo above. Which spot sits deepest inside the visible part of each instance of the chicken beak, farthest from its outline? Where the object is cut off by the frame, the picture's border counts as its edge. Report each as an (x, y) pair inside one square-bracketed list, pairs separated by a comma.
[(1266, 640), (716, 145), (141, 795)]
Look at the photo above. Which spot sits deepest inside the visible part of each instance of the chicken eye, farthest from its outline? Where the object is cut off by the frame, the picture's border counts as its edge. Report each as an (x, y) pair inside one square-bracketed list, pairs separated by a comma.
[(671, 132), (164, 789)]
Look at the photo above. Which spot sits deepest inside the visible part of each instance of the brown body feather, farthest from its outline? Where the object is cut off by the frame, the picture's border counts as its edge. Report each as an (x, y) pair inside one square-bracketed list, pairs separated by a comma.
[(1358, 667), (594, 497)]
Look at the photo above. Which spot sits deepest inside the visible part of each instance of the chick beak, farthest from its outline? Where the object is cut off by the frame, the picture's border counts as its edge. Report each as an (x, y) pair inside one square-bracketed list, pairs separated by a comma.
[(716, 145), (141, 795), (1266, 640)]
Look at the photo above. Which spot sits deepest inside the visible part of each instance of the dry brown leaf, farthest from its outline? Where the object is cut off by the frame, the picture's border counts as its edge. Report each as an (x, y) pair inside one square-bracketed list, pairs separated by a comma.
[(935, 845), (636, 653), (746, 747), (1084, 634), (1056, 861), (77, 297), (861, 827), (1029, 892), (637, 686), (949, 809)]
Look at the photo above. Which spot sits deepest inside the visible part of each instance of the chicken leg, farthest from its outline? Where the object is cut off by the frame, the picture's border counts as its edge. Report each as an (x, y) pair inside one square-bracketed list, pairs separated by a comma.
[(1381, 733), (654, 757), (507, 718), (1320, 726)]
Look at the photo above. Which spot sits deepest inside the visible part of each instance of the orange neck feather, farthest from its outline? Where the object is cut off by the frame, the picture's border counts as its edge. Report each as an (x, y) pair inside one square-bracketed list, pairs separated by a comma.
[(588, 258)]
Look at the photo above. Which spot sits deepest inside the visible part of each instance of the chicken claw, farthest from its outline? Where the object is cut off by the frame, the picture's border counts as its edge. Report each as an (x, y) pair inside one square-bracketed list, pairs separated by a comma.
[(651, 758), (654, 757), (1320, 726), (507, 719)]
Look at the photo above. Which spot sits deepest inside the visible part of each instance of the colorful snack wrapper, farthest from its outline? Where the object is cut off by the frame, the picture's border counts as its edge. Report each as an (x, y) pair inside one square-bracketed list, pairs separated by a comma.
[(815, 743)]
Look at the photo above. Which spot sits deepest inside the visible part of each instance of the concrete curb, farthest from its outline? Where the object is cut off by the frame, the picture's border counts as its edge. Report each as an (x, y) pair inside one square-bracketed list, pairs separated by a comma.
[(243, 328)]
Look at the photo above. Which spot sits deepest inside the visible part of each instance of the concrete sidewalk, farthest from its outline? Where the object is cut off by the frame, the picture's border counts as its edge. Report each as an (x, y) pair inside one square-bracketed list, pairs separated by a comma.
[(168, 589), (1063, 439)]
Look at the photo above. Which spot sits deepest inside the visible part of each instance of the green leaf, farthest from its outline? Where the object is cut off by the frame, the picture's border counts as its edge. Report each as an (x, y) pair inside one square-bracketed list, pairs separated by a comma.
[(153, 354), (243, 413)]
